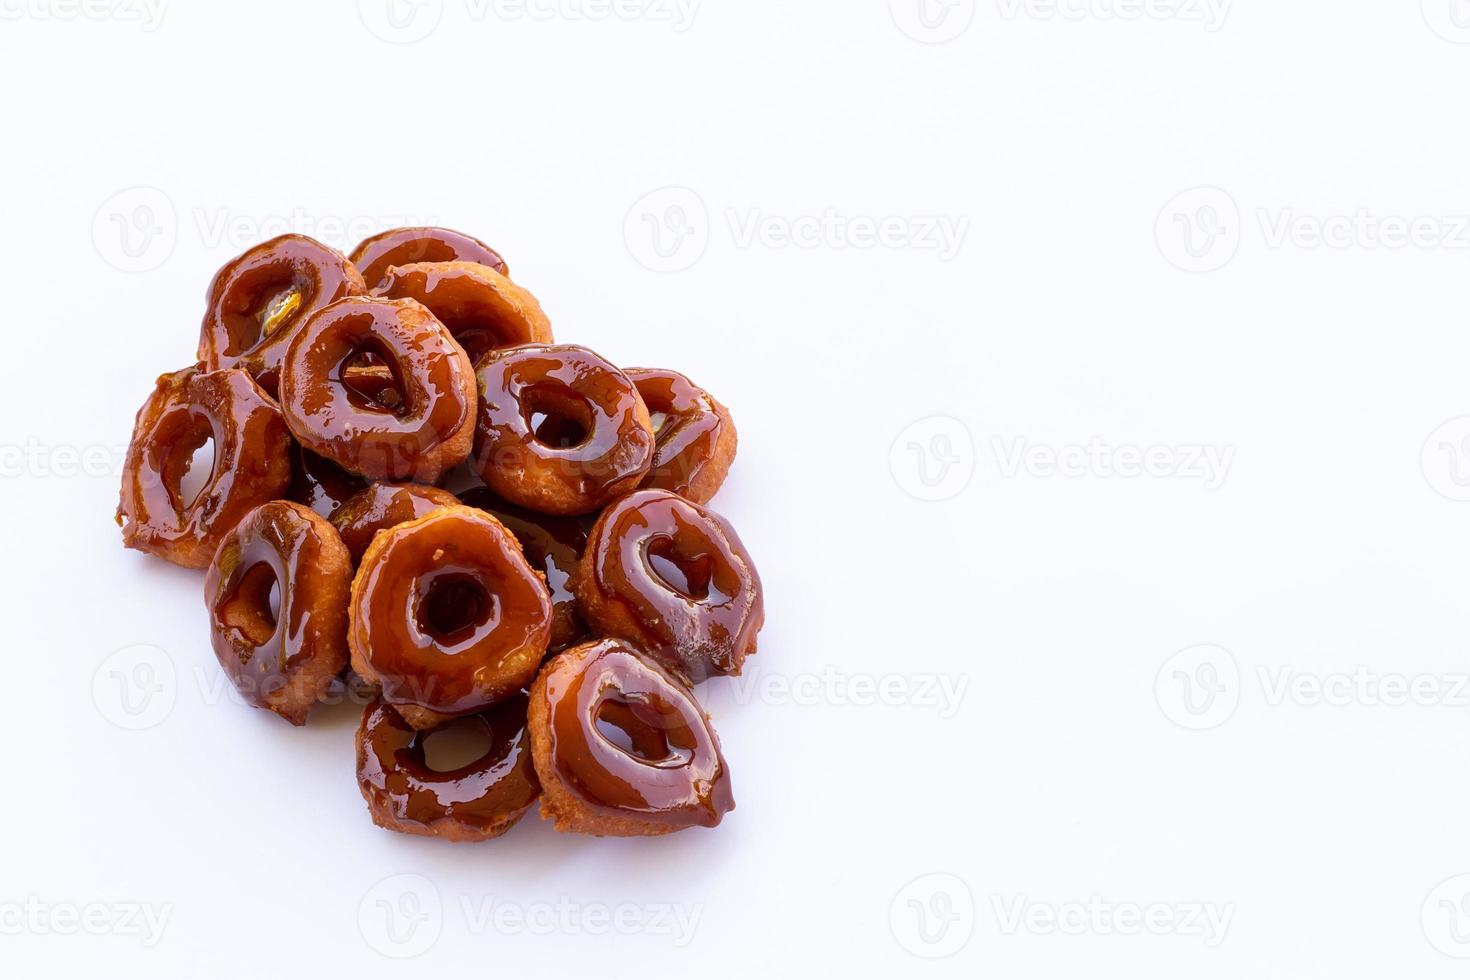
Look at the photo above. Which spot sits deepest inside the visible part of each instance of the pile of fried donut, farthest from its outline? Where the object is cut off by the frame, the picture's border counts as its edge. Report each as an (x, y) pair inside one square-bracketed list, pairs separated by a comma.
[(418, 495)]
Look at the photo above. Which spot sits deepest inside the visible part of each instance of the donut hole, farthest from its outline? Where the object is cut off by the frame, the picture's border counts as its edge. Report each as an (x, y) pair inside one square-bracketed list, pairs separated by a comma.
[(371, 380), (254, 605), (637, 729), (278, 309), (454, 608), (687, 574), (457, 744), (262, 306), (556, 415), (188, 463)]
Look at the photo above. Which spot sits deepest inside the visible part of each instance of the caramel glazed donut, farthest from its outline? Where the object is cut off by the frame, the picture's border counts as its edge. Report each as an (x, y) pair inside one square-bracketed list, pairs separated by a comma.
[(417, 436), (621, 747), (673, 577), (251, 466), (447, 616), (283, 661)]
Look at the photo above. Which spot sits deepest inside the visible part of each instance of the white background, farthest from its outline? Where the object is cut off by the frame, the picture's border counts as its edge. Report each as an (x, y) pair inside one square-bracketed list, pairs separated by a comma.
[(1137, 657)]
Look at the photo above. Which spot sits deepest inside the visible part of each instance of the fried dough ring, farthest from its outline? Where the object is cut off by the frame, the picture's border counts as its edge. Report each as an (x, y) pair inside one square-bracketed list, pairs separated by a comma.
[(661, 773), (694, 434), (284, 661), (404, 246), (251, 463), (483, 309)]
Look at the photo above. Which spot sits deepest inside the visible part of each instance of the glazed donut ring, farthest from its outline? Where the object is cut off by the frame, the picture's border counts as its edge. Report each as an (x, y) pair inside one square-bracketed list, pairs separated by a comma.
[(429, 429), (674, 578), (553, 546), (251, 463), (594, 444), (662, 771), (259, 299), (483, 309), (475, 802), (285, 661), (694, 433), (404, 246), (385, 505), (447, 616)]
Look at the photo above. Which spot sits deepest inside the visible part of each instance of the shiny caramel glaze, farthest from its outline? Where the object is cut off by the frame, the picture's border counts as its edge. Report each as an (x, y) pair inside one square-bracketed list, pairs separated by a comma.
[(560, 430), (259, 299), (320, 483), (403, 246), (251, 465), (673, 577), (483, 309), (553, 546), (695, 436), (425, 430), (475, 802), (283, 661), (385, 505), (621, 746), (447, 615)]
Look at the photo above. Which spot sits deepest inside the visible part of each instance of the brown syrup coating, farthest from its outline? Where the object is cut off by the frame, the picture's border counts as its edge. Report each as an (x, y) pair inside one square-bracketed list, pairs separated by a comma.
[(320, 483), (475, 802), (385, 505), (695, 434), (283, 661), (251, 463), (673, 577), (447, 615), (404, 246), (561, 430), (621, 747), (258, 300), (422, 432), (483, 309), (553, 546)]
